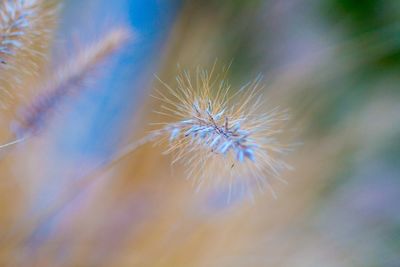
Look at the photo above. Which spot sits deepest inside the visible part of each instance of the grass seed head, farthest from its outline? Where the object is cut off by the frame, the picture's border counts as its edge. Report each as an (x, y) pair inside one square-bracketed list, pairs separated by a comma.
[(68, 79), (221, 136), (26, 29)]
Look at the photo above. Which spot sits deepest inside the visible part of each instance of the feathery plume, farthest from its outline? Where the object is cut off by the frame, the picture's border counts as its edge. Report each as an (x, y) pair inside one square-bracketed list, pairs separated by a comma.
[(25, 33), (221, 137), (67, 79)]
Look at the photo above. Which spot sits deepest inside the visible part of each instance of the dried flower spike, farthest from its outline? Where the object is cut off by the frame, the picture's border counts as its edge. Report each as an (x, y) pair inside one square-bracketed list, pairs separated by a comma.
[(66, 79), (220, 137)]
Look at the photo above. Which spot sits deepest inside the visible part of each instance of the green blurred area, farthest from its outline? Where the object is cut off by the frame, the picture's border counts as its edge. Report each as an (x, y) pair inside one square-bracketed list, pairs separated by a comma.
[(349, 98)]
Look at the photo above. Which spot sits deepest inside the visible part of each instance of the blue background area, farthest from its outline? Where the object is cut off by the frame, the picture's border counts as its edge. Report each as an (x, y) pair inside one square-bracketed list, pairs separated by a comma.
[(92, 127), (101, 113)]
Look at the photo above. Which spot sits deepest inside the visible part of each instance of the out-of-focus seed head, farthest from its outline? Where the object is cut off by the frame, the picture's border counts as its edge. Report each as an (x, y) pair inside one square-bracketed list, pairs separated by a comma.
[(26, 28), (69, 78)]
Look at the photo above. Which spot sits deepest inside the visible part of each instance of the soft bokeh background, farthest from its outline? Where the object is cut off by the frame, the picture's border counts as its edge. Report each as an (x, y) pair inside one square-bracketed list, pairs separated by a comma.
[(334, 63)]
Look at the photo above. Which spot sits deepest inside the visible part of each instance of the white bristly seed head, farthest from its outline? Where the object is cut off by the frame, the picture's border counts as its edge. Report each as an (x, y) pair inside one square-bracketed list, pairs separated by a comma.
[(222, 137), (26, 28), (16, 19)]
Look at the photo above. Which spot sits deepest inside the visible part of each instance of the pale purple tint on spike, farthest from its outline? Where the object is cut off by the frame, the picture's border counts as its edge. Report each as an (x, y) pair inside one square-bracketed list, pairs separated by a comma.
[(235, 127), (240, 155), (215, 141), (249, 153), (225, 147), (219, 115), (174, 134)]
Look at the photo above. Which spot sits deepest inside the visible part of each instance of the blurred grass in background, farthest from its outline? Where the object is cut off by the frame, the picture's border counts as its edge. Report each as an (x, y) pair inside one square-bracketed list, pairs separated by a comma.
[(333, 63)]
